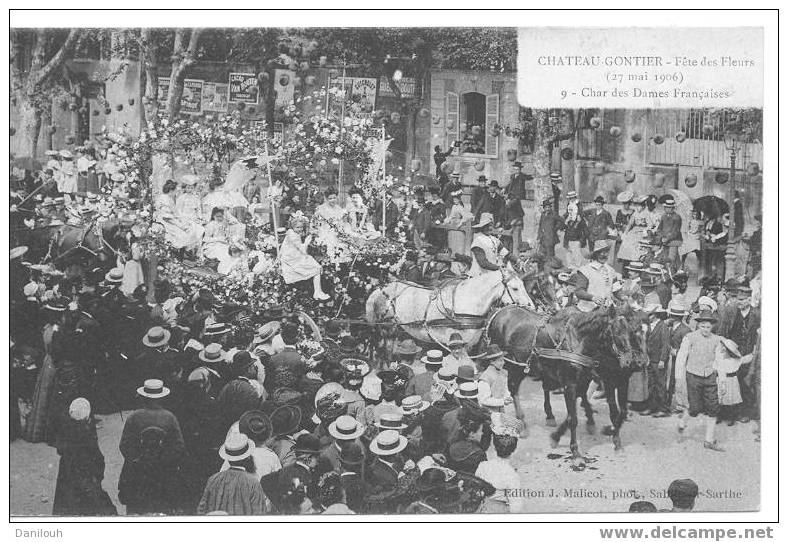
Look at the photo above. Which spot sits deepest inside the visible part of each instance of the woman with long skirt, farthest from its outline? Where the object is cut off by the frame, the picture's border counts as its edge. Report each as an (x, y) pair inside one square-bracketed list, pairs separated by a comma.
[(37, 426)]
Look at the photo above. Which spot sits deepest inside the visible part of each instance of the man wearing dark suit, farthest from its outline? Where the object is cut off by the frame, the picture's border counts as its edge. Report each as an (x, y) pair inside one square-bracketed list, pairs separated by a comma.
[(677, 312), (286, 367), (517, 182), (288, 487), (492, 203), (549, 224), (599, 222), (740, 322), (658, 352), (479, 192), (669, 233)]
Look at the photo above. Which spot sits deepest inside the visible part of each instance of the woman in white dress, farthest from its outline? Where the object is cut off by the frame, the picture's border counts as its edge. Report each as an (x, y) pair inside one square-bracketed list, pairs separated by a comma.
[(331, 219), (180, 233), (274, 195), (634, 232), (297, 264), (216, 243), (357, 211)]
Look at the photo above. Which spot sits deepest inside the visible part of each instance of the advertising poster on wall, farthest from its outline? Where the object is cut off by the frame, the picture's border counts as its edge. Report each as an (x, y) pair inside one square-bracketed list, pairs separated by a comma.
[(243, 88), (214, 96)]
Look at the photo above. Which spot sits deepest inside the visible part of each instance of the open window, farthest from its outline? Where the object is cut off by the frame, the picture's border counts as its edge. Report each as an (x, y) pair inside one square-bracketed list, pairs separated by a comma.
[(472, 119)]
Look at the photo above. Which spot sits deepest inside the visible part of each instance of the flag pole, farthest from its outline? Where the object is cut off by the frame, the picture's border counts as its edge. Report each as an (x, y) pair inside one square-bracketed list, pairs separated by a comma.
[(383, 147), (341, 128), (274, 210)]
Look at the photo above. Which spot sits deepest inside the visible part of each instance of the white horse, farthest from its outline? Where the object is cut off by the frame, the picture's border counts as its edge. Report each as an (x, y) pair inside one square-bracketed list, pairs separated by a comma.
[(461, 305)]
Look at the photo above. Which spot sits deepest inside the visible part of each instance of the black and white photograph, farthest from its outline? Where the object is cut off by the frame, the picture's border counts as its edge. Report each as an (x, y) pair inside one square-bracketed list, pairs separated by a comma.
[(345, 270)]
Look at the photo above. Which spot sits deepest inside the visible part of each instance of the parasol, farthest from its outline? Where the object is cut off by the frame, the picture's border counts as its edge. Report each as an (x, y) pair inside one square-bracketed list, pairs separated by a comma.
[(711, 206)]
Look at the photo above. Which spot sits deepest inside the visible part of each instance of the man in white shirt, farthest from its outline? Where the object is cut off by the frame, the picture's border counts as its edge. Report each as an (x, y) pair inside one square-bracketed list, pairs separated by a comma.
[(596, 281)]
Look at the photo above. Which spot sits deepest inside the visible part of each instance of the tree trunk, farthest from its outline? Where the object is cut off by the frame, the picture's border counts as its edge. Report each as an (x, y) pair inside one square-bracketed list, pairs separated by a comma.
[(183, 57), (149, 77), (30, 125)]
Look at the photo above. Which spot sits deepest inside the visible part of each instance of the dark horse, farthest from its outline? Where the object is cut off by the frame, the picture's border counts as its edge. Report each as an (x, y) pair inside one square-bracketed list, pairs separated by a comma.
[(602, 336), (66, 244)]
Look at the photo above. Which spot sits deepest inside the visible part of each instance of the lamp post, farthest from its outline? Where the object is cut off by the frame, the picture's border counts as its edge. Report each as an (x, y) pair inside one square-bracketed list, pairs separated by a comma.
[(732, 144)]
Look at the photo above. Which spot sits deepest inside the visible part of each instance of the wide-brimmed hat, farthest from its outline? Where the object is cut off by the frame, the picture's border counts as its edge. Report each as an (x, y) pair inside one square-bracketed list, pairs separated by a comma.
[(413, 404), (355, 368), (266, 332), (18, 252), (625, 197), (285, 419), (189, 180), (467, 390), (484, 220), (56, 305), (153, 389), (212, 353), (388, 443), (79, 409), (731, 346), (677, 308), (156, 336), (455, 339), (706, 316), (256, 425), (114, 276), (307, 444), (407, 347), (601, 246), (709, 302), (433, 359), (346, 428), (391, 420), (236, 447)]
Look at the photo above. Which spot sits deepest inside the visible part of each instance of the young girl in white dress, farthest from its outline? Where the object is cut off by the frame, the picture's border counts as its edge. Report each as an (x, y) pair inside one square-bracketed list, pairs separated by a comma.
[(297, 264)]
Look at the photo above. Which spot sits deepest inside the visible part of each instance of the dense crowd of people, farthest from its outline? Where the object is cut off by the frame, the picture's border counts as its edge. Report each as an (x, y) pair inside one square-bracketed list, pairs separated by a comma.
[(233, 419)]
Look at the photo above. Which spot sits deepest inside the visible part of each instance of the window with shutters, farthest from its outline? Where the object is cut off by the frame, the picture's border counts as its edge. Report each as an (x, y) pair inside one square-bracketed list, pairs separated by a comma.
[(478, 120), (452, 118)]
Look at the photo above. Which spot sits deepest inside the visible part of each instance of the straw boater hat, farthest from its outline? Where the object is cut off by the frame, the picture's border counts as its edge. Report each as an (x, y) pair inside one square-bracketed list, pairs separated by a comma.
[(445, 375), (571, 195), (216, 329), (603, 245), (390, 420), (66, 154), (455, 340), (18, 252), (467, 390), (388, 443), (236, 447), (407, 347), (625, 197), (636, 266), (266, 332), (79, 409), (656, 309), (345, 428), (114, 276), (156, 336), (731, 346), (433, 359), (639, 199), (677, 308), (669, 202), (484, 220), (153, 389), (656, 268), (212, 353), (556, 177), (414, 404)]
